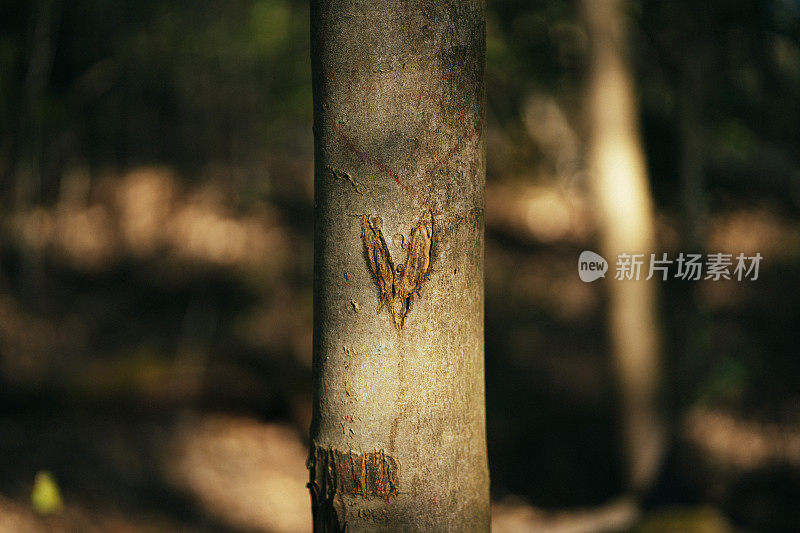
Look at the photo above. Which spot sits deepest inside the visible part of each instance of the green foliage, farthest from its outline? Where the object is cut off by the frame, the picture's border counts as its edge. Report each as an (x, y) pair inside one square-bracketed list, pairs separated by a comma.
[(685, 520), (46, 496), (183, 83)]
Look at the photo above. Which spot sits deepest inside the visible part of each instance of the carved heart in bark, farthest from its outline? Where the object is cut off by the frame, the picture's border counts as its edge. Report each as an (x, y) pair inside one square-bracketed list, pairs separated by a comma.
[(397, 287)]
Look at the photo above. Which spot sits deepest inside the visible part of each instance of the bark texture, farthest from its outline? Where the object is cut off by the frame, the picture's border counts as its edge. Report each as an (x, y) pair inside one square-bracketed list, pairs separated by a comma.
[(625, 210), (398, 431)]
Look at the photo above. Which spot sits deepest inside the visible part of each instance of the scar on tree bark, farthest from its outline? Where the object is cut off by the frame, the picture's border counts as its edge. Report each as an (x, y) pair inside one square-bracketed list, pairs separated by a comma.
[(397, 286)]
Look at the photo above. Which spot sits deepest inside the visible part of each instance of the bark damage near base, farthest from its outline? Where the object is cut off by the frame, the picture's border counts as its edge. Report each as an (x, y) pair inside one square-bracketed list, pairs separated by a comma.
[(334, 473), (398, 286)]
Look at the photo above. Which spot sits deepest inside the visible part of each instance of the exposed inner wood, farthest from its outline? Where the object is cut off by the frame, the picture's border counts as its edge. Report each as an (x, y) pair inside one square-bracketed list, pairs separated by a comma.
[(397, 287)]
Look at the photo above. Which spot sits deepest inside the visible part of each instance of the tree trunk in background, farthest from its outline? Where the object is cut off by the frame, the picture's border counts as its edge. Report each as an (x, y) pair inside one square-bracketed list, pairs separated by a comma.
[(31, 134), (398, 431), (693, 64), (692, 165), (623, 199)]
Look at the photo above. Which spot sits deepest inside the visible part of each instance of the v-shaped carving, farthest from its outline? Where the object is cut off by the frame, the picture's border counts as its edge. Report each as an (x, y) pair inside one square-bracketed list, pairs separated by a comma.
[(397, 287)]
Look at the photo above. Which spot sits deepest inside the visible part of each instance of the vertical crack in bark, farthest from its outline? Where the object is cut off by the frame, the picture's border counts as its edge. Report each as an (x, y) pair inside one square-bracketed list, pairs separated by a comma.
[(397, 287), (326, 503), (346, 176), (380, 262)]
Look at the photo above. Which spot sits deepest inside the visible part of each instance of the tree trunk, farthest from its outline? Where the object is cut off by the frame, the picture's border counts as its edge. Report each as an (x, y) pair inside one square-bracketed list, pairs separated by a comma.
[(619, 180), (31, 135), (691, 91), (694, 63), (398, 431)]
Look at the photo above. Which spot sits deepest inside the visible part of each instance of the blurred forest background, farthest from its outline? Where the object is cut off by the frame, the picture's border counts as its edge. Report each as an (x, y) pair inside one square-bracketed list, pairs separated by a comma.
[(156, 179)]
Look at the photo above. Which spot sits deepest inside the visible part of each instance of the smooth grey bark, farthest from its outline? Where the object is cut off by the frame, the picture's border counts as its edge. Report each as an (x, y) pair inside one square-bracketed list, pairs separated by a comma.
[(398, 431)]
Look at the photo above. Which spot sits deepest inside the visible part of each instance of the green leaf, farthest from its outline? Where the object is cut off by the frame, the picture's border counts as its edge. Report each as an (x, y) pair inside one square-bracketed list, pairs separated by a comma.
[(45, 496)]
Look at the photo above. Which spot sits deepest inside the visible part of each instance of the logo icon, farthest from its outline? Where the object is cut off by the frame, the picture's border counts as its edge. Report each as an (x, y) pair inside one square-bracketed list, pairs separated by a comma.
[(591, 266)]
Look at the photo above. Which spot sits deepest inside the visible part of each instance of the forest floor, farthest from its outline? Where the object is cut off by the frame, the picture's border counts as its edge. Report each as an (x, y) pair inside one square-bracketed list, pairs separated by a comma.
[(155, 346)]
